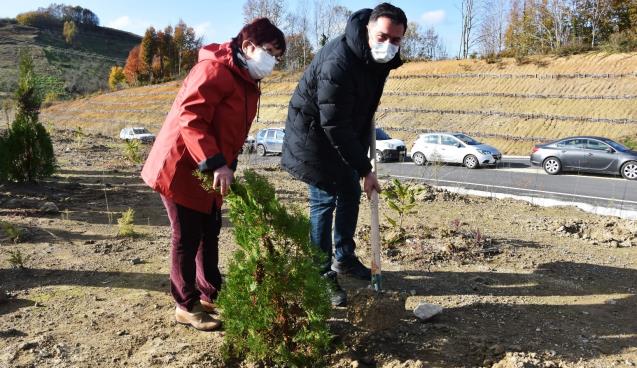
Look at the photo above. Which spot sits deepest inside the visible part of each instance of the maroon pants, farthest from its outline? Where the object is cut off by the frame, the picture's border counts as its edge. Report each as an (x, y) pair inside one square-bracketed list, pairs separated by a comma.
[(194, 271)]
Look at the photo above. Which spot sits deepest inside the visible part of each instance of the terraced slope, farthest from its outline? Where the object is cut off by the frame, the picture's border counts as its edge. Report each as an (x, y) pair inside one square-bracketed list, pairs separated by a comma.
[(504, 104)]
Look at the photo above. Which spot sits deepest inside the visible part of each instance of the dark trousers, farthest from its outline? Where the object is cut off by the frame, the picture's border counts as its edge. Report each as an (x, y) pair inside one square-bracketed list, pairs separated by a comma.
[(346, 202), (194, 271)]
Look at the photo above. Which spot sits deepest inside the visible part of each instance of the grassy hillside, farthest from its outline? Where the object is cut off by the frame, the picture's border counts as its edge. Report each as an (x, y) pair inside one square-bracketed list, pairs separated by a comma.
[(82, 68), (505, 104)]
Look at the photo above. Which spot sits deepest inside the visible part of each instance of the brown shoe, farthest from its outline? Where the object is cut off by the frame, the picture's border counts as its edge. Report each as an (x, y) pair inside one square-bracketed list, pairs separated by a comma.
[(209, 307), (197, 318)]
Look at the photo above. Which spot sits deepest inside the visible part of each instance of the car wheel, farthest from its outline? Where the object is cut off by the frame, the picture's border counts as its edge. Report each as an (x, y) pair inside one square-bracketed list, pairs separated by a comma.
[(261, 150), (552, 166), (471, 162), (379, 156), (629, 170), (419, 158)]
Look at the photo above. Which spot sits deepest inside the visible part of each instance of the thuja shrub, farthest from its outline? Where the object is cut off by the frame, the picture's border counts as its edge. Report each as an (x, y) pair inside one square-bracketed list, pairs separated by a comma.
[(274, 302), (28, 151)]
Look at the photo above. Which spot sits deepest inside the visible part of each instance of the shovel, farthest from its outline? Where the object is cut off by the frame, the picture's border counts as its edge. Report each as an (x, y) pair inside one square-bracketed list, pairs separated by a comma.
[(375, 227)]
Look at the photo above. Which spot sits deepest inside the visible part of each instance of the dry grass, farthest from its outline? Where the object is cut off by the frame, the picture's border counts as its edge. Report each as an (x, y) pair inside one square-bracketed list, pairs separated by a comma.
[(147, 106)]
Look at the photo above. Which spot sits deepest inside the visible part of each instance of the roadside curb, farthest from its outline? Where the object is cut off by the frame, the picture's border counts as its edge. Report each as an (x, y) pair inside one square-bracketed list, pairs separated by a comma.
[(516, 157)]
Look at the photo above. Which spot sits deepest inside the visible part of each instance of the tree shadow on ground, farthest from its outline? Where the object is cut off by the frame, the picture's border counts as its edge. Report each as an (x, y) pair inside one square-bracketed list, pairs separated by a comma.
[(24, 279), (576, 311), (93, 197)]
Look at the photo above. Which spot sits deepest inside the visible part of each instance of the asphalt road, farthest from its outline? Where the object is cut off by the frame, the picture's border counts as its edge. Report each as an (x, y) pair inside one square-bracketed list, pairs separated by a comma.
[(515, 176)]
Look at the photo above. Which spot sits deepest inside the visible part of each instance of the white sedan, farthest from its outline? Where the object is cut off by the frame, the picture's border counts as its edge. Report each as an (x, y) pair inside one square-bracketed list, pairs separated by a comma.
[(139, 133), (453, 148)]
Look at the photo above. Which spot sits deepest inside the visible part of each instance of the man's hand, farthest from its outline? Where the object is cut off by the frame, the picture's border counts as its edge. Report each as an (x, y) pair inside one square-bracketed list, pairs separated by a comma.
[(223, 177), (370, 183)]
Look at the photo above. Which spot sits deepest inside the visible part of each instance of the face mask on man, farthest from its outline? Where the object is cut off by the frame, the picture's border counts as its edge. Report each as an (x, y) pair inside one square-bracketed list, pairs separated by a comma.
[(383, 52), (261, 64)]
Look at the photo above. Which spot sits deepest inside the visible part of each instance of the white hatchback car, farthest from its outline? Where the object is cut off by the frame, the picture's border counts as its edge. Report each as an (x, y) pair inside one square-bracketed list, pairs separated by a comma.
[(139, 133), (453, 148)]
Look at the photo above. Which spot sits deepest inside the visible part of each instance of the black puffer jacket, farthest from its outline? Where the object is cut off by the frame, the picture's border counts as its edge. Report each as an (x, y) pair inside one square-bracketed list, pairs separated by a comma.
[(327, 132)]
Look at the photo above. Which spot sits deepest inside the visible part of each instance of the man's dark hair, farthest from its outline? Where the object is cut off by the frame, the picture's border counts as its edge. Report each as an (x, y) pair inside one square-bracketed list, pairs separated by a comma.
[(397, 15)]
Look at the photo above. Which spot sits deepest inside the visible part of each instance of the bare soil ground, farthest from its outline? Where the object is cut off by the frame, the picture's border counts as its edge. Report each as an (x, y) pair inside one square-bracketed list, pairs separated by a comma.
[(521, 286)]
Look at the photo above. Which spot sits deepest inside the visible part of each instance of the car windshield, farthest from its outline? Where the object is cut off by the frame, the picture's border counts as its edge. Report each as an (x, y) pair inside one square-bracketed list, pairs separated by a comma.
[(140, 131), (467, 140), (381, 135), (615, 145)]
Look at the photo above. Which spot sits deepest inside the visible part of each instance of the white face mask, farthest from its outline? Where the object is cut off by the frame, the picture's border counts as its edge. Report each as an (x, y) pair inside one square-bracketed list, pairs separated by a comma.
[(383, 52), (261, 64)]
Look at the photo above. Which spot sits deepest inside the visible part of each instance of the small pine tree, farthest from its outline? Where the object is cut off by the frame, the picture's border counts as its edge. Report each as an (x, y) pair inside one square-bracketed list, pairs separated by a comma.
[(28, 145), (274, 302), (126, 225)]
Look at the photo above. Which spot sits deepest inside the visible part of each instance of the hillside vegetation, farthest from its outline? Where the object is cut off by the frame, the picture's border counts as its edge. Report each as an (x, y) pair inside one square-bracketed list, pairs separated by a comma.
[(508, 105), (80, 69)]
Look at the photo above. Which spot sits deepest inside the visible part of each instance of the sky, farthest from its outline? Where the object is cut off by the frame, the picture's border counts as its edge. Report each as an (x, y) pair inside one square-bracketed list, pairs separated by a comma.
[(218, 21)]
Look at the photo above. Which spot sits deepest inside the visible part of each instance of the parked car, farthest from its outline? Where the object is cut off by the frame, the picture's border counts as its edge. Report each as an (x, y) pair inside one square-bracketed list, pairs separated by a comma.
[(248, 145), (139, 133), (584, 153), (453, 148), (388, 148), (270, 140)]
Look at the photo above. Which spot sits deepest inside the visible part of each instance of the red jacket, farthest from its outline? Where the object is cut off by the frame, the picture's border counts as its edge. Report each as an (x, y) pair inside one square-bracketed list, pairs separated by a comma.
[(205, 128)]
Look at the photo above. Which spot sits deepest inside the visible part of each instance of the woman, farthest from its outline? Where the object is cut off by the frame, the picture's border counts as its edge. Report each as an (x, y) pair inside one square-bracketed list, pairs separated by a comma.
[(205, 130)]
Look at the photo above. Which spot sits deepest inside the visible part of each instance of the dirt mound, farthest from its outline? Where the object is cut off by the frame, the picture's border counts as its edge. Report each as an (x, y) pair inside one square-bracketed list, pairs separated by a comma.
[(528, 360), (376, 311)]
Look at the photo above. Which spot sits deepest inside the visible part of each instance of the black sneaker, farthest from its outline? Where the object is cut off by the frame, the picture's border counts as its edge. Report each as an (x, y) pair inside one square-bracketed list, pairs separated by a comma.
[(352, 267), (338, 295)]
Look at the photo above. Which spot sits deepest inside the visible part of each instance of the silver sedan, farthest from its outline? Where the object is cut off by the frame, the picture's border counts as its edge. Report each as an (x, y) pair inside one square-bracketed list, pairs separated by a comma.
[(586, 154)]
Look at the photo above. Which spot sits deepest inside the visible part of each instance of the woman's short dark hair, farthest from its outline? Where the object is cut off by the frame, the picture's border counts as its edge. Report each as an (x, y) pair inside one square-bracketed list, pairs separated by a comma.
[(260, 31), (394, 13)]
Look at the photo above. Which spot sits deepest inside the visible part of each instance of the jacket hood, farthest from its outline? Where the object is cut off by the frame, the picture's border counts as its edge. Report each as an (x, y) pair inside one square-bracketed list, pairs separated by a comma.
[(357, 40), (225, 54)]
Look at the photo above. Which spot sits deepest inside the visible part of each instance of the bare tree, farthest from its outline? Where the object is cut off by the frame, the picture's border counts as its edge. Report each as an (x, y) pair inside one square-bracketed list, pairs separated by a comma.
[(412, 44), (330, 19), (493, 15), (468, 17), (598, 11), (297, 29), (274, 10), (421, 45), (432, 45)]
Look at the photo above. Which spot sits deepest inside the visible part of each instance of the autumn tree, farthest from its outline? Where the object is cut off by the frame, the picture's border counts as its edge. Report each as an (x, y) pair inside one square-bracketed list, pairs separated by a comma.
[(132, 69), (186, 46), (116, 78), (69, 31), (147, 52)]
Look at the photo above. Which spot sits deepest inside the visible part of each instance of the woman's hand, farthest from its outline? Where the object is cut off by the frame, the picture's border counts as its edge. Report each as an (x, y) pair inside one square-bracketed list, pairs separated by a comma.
[(223, 177)]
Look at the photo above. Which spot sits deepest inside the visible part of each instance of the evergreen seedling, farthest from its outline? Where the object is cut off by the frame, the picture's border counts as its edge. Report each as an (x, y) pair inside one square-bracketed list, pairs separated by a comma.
[(126, 226), (17, 259), (28, 151), (132, 151), (11, 231), (274, 302)]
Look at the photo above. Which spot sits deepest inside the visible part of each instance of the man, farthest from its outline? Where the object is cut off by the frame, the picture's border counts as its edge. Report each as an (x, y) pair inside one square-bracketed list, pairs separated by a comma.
[(328, 131)]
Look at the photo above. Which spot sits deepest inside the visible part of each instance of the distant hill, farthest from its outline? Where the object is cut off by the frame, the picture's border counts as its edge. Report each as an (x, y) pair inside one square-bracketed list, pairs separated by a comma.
[(82, 68), (505, 104)]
